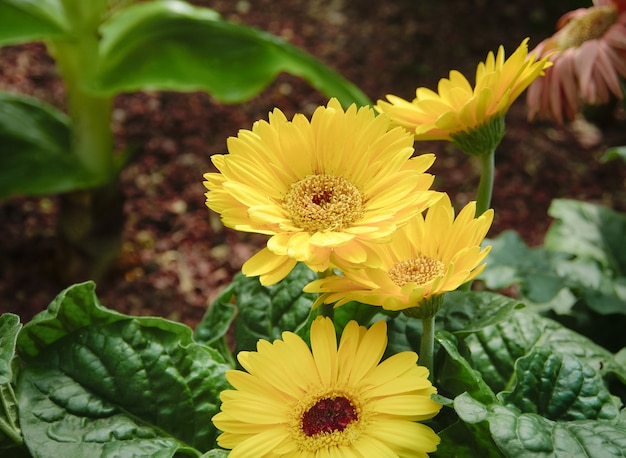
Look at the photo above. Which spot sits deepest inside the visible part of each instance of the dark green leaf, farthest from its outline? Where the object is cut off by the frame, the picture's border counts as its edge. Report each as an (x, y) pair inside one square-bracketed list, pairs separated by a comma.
[(560, 387), (264, 312), (588, 231), (495, 349), (30, 20), (99, 383), (173, 45), (10, 434), (455, 374), (404, 334), (527, 434), (36, 157), (464, 440), (465, 312), (216, 322)]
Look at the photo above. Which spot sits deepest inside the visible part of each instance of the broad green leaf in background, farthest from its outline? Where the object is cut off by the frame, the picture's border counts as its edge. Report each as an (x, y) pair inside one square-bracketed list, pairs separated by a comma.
[(29, 20), (512, 262), (590, 231), (10, 434), (560, 387), (35, 157), (175, 46), (465, 312), (99, 383), (494, 350), (528, 434)]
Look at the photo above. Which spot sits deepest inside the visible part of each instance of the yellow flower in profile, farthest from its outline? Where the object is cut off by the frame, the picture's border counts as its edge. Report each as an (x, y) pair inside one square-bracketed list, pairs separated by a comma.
[(428, 257), (589, 56), (320, 188), (460, 108), (328, 401)]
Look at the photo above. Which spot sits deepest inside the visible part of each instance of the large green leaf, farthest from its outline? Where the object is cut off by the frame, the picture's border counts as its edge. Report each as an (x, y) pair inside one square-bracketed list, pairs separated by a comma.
[(173, 45), (10, 434), (560, 387), (36, 154), (495, 349), (30, 20), (99, 383), (528, 434)]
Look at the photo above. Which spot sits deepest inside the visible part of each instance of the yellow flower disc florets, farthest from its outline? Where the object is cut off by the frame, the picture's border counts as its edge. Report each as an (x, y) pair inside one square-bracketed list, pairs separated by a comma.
[(591, 26), (417, 270), (334, 418), (324, 202)]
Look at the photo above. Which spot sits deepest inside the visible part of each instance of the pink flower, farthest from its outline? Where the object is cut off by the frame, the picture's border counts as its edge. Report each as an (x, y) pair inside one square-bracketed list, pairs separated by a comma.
[(589, 56)]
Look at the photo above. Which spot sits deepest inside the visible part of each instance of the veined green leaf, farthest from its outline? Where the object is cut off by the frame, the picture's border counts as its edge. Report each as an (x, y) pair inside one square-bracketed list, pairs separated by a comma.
[(528, 434), (10, 434), (99, 383), (173, 45), (494, 350), (36, 157), (456, 375), (216, 322), (560, 387), (30, 20), (264, 312)]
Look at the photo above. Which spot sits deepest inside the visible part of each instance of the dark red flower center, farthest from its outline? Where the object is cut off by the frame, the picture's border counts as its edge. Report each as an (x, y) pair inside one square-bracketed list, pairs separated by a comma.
[(328, 415)]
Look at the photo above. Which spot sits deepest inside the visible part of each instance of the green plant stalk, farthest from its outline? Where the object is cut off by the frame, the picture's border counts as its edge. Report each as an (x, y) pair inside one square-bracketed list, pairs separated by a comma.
[(427, 345), (92, 140), (485, 185), (327, 310)]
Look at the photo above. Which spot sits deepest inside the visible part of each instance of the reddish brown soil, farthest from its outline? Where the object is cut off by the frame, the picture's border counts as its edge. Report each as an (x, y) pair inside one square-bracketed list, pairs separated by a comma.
[(176, 256)]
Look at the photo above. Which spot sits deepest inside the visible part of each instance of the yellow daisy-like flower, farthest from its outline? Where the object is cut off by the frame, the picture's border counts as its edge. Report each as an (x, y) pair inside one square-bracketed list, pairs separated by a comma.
[(429, 256), (320, 188), (459, 108), (326, 401)]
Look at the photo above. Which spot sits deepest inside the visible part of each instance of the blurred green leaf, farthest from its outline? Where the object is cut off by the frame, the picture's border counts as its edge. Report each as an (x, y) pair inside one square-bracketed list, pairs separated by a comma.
[(36, 157), (173, 45), (512, 262), (616, 152), (216, 453), (589, 231), (560, 387), (99, 383), (264, 312), (528, 434), (465, 312), (10, 434), (465, 440), (30, 20)]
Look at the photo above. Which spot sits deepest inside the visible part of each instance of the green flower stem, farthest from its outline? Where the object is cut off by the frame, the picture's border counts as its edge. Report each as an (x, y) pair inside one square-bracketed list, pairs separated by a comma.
[(485, 186), (427, 345)]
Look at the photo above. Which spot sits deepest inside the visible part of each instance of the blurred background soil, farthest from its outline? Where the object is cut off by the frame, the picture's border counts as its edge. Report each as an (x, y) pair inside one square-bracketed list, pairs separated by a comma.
[(176, 256)]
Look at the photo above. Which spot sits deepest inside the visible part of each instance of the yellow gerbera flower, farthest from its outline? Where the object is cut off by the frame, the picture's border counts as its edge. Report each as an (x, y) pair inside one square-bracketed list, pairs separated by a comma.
[(425, 258), (458, 107), (327, 401), (320, 188)]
